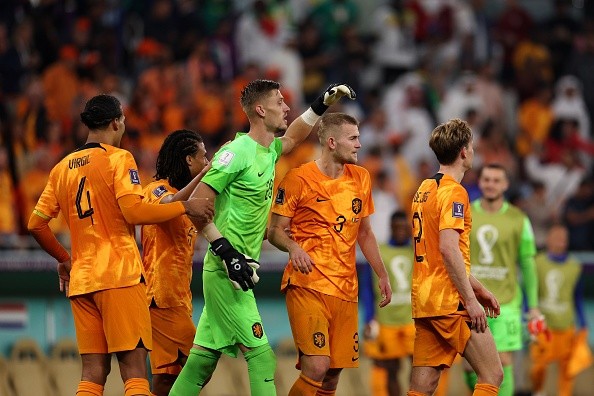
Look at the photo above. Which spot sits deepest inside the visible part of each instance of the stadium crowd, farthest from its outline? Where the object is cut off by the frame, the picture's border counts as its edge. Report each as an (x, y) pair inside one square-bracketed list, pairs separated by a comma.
[(522, 81)]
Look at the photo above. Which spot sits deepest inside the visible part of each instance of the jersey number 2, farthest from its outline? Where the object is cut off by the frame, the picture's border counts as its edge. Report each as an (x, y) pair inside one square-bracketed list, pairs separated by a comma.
[(81, 188), (418, 237)]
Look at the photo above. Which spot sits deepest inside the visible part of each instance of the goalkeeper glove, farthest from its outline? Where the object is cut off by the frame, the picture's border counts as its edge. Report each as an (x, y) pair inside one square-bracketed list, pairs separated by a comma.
[(240, 268), (330, 96)]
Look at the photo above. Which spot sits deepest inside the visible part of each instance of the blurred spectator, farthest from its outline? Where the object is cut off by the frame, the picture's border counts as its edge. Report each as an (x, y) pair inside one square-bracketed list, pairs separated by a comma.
[(565, 136), (404, 103), (568, 102), (385, 202), (579, 65), (578, 214), (513, 26), (332, 16), (461, 98), (532, 65), (11, 68), (538, 210), (561, 180), (61, 85), (535, 118), (493, 147), (561, 29), (317, 60), (8, 220), (394, 51)]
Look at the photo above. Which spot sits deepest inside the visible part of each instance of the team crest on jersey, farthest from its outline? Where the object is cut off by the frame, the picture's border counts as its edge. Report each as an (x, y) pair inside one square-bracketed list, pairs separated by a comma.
[(226, 157), (159, 191), (257, 330), (134, 178), (280, 196), (458, 210), (357, 204), (319, 339)]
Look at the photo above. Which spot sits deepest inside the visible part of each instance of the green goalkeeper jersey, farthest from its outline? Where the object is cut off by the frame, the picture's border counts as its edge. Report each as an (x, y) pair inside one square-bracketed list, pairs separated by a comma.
[(498, 243), (242, 174)]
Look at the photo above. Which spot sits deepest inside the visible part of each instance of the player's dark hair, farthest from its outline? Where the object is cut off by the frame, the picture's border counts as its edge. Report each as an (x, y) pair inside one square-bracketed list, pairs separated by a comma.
[(493, 166), (171, 161), (398, 215), (448, 139), (254, 92), (100, 110)]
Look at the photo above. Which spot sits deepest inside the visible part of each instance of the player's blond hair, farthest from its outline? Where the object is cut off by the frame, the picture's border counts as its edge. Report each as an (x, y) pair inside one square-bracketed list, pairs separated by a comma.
[(331, 122)]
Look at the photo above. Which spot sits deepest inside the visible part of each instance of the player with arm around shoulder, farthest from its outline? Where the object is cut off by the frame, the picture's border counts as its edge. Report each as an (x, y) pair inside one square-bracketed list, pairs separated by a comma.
[(449, 305), (326, 205), (240, 182), (98, 190)]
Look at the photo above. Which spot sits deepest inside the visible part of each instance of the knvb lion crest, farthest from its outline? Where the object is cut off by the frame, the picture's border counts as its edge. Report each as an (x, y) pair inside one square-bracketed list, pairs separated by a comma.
[(356, 205), (257, 330), (319, 339)]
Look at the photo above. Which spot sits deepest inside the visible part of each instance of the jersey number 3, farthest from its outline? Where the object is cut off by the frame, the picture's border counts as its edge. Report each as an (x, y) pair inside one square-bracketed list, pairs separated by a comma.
[(79, 195)]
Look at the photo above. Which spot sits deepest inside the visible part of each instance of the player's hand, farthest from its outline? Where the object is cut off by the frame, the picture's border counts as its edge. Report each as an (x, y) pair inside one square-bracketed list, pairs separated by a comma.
[(537, 326), (488, 301), (300, 260), (385, 291), (201, 210), (478, 317), (240, 268), (371, 330), (331, 95), (64, 276)]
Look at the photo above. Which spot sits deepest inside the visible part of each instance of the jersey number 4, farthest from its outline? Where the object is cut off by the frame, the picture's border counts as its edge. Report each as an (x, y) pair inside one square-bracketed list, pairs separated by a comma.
[(79, 195)]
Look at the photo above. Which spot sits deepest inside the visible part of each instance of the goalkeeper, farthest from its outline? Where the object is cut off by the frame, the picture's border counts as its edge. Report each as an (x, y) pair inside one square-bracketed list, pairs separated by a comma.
[(242, 179)]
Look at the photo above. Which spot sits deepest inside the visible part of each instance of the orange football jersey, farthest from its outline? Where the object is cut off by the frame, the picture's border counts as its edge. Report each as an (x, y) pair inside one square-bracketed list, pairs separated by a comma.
[(85, 187), (440, 203), (167, 252), (326, 214)]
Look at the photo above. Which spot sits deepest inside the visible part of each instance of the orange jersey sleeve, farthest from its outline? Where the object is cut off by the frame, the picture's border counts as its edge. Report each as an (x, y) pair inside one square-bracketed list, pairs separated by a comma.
[(325, 217), (167, 253), (440, 203), (85, 186)]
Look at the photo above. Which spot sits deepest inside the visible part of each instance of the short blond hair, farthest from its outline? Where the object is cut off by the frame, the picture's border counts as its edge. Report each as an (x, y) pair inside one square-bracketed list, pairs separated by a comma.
[(330, 122)]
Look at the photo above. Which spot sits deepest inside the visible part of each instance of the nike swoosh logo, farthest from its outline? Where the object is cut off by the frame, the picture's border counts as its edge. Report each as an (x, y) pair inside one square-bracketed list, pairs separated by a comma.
[(268, 379), (354, 359), (260, 174), (321, 200)]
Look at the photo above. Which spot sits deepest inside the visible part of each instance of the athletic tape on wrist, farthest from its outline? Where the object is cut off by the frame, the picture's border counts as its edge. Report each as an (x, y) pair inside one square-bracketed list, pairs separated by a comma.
[(310, 117)]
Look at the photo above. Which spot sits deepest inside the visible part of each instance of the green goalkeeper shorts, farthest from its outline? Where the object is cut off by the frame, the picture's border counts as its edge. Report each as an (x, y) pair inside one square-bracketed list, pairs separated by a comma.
[(507, 328)]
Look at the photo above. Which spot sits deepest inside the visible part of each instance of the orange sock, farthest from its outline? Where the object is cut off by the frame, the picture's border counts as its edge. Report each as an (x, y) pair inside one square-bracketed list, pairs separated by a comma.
[(485, 390), (305, 386), (379, 381), (137, 387), (87, 388), (325, 392), (414, 393), (443, 384)]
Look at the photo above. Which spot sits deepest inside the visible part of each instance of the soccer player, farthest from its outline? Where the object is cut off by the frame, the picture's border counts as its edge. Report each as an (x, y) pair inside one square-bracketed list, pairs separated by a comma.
[(326, 204), (561, 302), (501, 238), (390, 332), (241, 179), (449, 305), (168, 250), (98, 190)]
